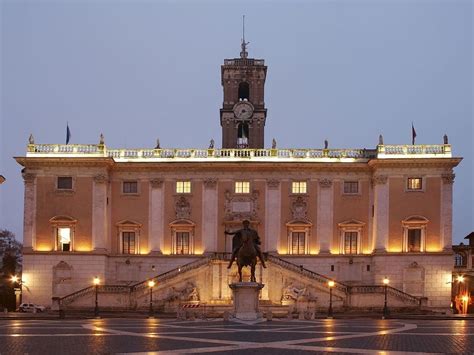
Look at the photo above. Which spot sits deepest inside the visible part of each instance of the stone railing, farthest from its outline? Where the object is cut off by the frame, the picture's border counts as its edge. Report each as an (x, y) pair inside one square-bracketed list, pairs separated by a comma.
[(413, 151), (305, 272), (148, 154), (170, 274), (406, 297), (244, 61)]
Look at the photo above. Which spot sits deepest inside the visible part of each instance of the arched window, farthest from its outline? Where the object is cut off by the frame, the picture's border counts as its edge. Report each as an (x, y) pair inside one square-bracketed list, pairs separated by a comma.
[(350, 234), (459, 260), (244, 91), (298, 236), (129, 237), (414, 234), (182, 236), (63, 231), (242, 135)]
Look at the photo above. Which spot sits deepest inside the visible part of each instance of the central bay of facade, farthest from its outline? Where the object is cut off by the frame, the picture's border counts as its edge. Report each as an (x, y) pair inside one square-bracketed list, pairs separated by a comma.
[(125, 216)]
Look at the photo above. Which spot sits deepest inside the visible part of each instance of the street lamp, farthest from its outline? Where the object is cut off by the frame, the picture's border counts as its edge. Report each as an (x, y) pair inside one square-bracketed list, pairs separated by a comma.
[(17, 286), (331, 285), (385, 308), (151, 284), (96, 284)]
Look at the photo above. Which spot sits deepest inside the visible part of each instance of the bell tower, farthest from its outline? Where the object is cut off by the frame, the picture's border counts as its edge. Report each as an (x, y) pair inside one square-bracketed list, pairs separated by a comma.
[(243, 111)]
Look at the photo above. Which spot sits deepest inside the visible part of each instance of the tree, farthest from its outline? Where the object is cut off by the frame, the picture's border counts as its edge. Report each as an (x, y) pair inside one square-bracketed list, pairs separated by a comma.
[(10, 264)]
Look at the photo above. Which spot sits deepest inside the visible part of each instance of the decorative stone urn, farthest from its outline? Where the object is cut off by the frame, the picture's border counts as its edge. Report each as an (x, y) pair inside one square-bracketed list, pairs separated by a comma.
[(246, 296)]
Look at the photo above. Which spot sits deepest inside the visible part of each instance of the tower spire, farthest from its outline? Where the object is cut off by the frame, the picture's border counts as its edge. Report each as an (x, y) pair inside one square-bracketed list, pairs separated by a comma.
[(243, 53)]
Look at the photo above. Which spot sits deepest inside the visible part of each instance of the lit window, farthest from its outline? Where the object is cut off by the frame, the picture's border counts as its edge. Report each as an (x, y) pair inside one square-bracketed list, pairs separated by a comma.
[(128, 243), (350, 242), (242, 187), (414, 184), (298, 187), (64, 183), (182, 242), (183, 187), (351, 187), (298, 243), (130, 187), (64, 238), (414, 240)]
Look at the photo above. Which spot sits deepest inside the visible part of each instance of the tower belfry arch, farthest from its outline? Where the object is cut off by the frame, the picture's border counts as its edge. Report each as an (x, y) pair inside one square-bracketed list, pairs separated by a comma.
[(243, 113)]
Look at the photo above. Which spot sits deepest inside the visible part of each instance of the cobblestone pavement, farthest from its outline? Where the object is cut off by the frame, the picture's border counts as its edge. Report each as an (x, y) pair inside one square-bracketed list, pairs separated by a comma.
[(105, 336)]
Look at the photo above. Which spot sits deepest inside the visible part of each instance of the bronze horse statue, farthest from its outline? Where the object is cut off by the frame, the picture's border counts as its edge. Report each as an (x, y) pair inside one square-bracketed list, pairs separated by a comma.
[(247, 256)]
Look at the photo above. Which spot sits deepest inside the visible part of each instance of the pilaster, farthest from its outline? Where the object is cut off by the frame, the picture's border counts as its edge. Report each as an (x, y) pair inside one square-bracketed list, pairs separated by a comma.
[(446, 235), (272, 216), (99, 213), (325, 216), (209, 215), (29, 221), (156, 216), (381, 212)]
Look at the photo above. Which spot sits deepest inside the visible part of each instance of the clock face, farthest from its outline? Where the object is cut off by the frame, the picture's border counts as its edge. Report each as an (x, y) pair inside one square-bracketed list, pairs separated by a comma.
[(243, 110)]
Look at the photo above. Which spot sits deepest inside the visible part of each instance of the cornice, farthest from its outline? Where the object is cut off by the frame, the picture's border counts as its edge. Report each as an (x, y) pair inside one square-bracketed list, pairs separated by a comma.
[(38, 162), (414, 163)]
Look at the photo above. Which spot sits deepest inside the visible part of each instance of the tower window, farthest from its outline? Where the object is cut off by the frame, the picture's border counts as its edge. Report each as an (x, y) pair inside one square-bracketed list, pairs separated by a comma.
[(244, 91), (298, 187), (64, 183), (242, 135)]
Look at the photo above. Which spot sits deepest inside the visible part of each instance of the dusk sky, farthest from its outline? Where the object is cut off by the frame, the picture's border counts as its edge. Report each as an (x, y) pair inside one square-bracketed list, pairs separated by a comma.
[(345, 71)]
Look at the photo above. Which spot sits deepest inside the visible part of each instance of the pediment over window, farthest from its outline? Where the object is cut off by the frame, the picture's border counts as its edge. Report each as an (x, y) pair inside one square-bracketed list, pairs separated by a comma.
[(128, 223), (299, 222), (415, 220), (351, 223), (182, 223), (62, 219)]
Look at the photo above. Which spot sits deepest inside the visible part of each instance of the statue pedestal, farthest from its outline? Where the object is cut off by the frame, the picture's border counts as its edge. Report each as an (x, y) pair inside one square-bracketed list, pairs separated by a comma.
[(246, 296)]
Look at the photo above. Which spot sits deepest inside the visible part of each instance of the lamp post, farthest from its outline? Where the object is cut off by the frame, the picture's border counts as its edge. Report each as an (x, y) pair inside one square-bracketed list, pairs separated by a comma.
[(151, 284), (96, 284), (331, 285), (385, 308), (18, 290)]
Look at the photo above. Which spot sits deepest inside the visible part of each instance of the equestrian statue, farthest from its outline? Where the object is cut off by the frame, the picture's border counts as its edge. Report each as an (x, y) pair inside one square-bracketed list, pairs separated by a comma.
[(245, 249)]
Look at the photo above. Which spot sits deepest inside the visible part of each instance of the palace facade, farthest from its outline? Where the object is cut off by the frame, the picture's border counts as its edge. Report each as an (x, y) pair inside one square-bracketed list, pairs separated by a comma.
[(355, 216)]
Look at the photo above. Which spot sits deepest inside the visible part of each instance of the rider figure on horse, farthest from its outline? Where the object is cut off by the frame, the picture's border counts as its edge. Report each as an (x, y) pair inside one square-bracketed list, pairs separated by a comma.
[(237, 242)]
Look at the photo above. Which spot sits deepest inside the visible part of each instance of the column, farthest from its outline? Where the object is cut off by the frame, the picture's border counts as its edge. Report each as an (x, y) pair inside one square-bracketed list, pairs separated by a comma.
[(99, 213), (381, 212), (324, 225), (209, 215), (29, 219), (272, 216), (446, 224), (156, 217)]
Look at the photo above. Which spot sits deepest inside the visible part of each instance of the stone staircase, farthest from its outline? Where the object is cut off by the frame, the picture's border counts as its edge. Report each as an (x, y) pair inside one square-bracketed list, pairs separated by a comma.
[(134, 296), (352, 291), (131, 291)]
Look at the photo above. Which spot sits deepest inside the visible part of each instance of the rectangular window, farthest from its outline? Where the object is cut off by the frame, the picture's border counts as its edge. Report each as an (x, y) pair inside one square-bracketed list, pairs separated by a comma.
[(64, 182), (350, 242), (298, 242), (414, 240), (351, 187), (130, 187), (128, 243), (64, 239), (242, 187), (183, 187), (414, 184), (298, 187), (182, 242)]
